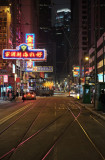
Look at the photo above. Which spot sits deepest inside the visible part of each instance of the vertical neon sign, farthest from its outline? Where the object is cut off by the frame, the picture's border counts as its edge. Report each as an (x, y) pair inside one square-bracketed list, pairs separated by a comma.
[(30, 40)]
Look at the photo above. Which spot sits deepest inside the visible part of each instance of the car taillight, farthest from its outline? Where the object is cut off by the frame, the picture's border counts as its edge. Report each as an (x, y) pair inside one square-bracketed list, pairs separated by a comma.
[(32, 95)]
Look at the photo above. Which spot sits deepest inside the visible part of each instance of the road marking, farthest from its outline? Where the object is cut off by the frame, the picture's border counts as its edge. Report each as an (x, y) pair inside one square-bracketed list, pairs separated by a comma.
[(97, 121), (90, 140), (13, 114)]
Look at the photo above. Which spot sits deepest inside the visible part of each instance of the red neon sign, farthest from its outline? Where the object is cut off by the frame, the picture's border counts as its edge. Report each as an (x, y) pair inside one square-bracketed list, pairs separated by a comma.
[(25, 53)]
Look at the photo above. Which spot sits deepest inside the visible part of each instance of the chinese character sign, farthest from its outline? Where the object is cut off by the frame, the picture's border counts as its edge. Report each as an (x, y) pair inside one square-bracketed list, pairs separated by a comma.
[(29, 66), (1, 80), (5, 78), (25, 53), (39, 68), (43, 69), (76, 71), (30, 40)]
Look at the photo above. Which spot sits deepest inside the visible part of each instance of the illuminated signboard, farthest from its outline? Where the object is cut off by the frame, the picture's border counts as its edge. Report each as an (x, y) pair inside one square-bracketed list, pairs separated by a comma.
[(29, 66), (23, 52), (30, 40), (40, 69), (43, 69), (3, 78), (76, 71)]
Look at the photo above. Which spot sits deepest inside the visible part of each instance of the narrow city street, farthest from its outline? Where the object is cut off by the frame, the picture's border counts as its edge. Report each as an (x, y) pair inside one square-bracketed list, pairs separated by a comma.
[(51, 128)]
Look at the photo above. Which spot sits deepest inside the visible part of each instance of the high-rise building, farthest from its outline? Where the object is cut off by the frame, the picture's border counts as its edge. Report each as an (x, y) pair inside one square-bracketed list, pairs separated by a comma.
[(62, 31), (10, 38), (74, 36), (44, 21), (45, 33), (5, 21), (91, 28), (97, 40), (83, 31)]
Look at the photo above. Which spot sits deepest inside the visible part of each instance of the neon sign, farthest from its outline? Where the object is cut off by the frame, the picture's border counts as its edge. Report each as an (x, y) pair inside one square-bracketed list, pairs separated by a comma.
[(23, 52), (29, 66), (76, 71), (30, 40)]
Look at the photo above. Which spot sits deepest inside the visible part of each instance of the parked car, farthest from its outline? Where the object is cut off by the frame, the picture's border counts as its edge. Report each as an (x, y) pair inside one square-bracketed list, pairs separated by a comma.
[(30, 95)]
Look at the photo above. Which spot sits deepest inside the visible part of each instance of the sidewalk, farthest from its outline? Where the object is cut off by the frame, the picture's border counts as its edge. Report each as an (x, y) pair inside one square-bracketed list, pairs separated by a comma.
[(4, 101), (89, 107), (92, 109)]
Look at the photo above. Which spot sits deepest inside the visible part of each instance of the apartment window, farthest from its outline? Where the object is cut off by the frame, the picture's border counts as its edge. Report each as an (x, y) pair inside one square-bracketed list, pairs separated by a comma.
[(84, 32), (5, 18), (84, 48), (84, 7), (84, 38), (84, 17), (84, 43)]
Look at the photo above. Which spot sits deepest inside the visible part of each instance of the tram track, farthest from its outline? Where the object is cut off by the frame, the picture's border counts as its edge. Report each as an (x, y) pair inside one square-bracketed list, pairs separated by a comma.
[(17, 119), (71, 109), (75, 110), (65, 129), (21, 142), (27, 108), (14, 149), (86, 133)]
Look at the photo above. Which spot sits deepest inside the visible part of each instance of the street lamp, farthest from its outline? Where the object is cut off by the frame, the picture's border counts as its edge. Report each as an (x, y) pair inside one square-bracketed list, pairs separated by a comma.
[(86, 58)]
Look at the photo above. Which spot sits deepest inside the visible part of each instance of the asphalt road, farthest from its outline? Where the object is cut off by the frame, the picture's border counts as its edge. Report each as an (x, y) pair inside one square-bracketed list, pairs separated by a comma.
[(50, 128)]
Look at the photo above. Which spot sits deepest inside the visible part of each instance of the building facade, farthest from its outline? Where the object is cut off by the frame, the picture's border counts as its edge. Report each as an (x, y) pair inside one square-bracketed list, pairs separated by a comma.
[(62, 37), (91, 26)]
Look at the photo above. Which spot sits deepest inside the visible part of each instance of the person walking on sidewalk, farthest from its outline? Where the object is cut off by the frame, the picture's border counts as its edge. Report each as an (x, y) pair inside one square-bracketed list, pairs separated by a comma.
[(102, 100)]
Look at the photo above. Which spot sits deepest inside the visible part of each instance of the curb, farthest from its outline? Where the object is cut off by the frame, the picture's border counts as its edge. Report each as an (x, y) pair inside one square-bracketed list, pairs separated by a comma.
[(95, 113)]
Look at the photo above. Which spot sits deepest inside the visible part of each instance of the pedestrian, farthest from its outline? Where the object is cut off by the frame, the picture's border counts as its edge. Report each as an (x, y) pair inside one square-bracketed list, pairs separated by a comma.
[(17, 94), (10, 95), (102, 100), (23, 97), (13, 96)]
